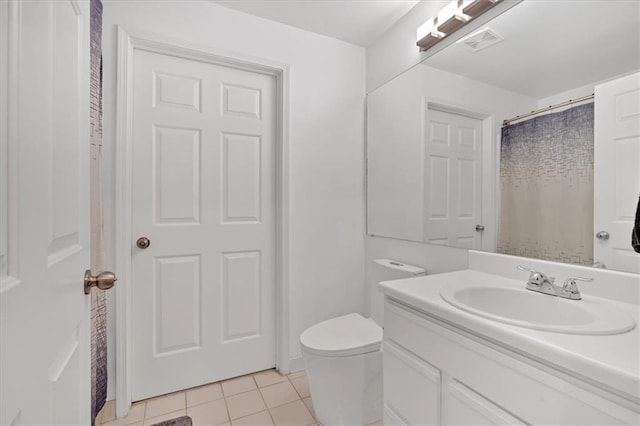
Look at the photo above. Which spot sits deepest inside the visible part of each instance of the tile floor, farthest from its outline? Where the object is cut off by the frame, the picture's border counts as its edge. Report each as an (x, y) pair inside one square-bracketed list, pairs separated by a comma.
[(264, 398)]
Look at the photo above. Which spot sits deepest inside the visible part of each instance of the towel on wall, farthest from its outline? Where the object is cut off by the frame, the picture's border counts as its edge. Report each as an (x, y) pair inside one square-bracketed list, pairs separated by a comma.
[(635, 233)]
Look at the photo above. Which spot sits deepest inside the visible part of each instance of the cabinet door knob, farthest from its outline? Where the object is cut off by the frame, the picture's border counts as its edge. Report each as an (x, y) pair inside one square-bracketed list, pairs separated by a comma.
[(479, 228)]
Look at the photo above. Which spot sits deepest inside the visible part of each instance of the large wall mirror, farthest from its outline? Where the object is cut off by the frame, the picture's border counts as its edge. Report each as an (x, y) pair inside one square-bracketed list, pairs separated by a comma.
[(562, 184)]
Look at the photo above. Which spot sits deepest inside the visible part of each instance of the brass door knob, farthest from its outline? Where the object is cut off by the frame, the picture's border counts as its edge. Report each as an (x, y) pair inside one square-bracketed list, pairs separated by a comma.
[(143, 243), (104, 280)]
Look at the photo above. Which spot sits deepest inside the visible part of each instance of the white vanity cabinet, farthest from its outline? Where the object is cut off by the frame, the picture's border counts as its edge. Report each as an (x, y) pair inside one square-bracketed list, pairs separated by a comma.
[(437, 373)]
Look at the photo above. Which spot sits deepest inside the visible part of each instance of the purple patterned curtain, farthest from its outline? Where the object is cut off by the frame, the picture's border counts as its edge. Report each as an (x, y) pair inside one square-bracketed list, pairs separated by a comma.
[(546, 179), (98, 299)]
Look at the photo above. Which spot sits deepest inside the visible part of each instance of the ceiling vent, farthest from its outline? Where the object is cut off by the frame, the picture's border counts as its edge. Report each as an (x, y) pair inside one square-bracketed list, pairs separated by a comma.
[(480, 40)]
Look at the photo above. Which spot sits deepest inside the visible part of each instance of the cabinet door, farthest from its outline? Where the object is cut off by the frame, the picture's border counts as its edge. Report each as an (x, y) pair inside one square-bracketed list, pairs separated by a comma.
[(463, 406), (411, 387)]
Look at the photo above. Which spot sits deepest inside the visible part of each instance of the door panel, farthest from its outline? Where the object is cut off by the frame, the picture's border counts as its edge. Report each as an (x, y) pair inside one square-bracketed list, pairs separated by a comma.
[(44, 313), (453, 166), (240, 301), (241, 177), (616, 171), (176, 169), (203, 193), (177, 303)]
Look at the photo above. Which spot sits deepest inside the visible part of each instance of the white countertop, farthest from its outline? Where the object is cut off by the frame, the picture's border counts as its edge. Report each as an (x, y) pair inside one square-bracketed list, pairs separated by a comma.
[(609, 360)]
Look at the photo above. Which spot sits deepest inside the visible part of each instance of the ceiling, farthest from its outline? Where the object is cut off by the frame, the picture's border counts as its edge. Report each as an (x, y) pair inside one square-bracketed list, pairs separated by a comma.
[(552, 46), (358, 22)]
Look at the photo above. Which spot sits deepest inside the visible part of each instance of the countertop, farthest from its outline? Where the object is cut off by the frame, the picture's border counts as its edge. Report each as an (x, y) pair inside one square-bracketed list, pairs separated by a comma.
[(612, 361)]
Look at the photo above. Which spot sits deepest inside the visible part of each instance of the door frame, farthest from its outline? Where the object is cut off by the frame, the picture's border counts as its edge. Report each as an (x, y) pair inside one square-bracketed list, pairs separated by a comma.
[(127, 41)]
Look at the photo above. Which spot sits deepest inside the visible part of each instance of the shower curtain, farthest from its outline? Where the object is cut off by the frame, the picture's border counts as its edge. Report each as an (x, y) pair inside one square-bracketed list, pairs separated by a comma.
[(98, 299), (546, 180)]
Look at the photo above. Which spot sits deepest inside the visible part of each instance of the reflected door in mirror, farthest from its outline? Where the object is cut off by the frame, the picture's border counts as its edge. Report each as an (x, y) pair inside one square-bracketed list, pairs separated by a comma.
[(453, 172)]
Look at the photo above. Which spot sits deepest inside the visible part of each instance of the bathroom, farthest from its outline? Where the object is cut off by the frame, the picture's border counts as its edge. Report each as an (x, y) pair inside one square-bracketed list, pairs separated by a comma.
[(311, 92)]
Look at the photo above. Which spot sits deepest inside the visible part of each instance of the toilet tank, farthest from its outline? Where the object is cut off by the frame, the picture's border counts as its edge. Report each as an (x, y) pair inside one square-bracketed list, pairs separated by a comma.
[(386, 270)]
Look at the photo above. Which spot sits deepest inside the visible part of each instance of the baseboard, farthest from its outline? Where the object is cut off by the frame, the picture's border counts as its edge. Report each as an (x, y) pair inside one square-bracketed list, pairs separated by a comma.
[(296, 364)]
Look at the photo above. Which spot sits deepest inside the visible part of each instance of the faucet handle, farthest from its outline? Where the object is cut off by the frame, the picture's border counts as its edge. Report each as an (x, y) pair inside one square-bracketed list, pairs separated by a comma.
[(524, 268), (536, 277), (570, 287), (570, 283)]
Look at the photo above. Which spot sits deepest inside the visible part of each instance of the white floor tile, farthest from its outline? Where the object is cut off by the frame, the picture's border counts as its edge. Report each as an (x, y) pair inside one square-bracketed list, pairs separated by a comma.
[(202, 394), (262, 418), (297, 374), (268, 377), (135, 416), (209, 413), (243, 404), (293, 414), (279, 394), (302, 386), (108, 412), (165, 404), (238, 385), (307, 401)]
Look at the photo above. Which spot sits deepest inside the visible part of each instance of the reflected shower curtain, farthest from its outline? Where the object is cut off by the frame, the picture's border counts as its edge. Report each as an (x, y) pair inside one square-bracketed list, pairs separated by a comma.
[(546, 180), (98, 299)]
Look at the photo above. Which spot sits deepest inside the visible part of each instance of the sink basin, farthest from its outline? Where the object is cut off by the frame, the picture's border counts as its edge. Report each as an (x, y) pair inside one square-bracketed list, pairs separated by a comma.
[(524, 308)]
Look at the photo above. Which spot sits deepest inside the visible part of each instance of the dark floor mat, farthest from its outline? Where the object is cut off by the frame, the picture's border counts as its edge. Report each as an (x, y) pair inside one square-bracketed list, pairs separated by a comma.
[(178, 421)]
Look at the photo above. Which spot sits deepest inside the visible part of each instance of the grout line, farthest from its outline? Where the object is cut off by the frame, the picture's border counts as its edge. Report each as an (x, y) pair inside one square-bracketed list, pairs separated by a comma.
[(206, 402), (226, 407), (224, 396), (241, 393), (222, 387), (296, 389), (265, 404)]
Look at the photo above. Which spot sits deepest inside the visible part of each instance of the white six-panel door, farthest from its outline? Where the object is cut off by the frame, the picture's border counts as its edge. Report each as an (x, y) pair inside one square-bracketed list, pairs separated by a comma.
[(203, 194), (453, 179), (616, 171), (44, 213)]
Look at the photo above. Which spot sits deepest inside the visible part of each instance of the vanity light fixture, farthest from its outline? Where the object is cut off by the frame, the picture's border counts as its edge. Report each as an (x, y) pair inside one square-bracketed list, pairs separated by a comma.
[(428, 35), (476, 8), (449, 19)]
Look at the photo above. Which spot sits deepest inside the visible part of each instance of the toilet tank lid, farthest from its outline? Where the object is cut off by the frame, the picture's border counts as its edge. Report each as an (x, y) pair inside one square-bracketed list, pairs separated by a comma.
[(342, 336), (394, 264)]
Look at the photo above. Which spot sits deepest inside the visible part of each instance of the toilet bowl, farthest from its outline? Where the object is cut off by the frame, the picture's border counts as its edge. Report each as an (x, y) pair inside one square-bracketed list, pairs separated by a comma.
[(344, 368), (343, 357)]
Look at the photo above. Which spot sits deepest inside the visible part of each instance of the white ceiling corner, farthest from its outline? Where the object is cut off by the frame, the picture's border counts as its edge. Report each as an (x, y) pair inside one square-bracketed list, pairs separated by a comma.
[(359, 22)]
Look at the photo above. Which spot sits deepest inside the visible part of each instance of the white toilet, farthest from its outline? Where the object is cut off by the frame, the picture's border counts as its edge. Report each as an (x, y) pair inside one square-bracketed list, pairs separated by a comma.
[(343, 356)]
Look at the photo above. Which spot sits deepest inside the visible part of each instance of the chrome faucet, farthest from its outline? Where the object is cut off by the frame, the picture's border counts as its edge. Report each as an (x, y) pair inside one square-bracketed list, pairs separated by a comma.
[(543, 284)]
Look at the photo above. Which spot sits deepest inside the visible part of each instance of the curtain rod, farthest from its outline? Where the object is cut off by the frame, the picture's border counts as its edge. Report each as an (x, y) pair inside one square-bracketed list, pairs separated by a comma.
[(508, 121)]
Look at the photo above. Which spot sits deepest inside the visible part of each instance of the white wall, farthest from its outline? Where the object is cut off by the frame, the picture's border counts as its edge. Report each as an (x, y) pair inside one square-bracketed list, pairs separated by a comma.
[(578, 92), (326, 144)]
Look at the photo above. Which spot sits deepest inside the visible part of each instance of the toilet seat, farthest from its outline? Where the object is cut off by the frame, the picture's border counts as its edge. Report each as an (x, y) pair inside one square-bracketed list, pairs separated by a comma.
[(347, 335)]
